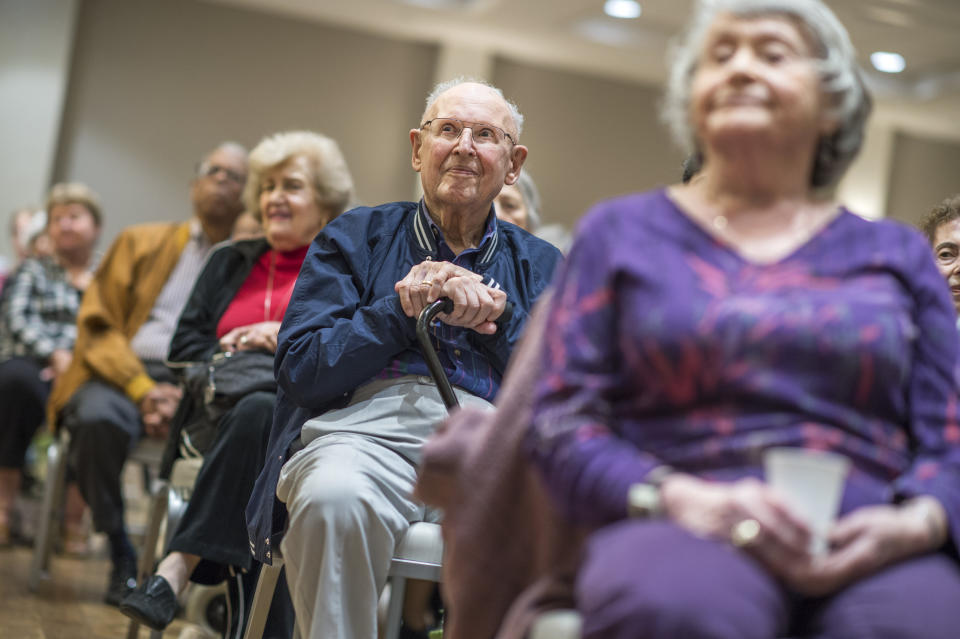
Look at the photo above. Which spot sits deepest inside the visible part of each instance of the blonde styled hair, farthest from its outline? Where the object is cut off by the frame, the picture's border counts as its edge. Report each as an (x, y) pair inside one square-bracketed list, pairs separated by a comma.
[(332, 181)]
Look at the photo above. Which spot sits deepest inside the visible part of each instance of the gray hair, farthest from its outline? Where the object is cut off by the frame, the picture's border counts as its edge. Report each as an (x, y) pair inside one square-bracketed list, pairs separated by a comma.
[(227, 145), (446, 85), (531, 199), (946, 211), (840, 77), (332, 181)]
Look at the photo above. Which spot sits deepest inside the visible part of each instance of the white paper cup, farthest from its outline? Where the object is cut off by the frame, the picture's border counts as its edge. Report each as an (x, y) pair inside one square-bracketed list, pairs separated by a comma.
[(811, 482)]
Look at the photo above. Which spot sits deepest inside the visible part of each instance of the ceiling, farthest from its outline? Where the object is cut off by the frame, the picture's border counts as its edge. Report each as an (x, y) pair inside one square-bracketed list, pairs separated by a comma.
[(577, 36)]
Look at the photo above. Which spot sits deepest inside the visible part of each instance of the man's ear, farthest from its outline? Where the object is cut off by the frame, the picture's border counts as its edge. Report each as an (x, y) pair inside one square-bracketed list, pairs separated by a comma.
[(417, 144), (518, 156)]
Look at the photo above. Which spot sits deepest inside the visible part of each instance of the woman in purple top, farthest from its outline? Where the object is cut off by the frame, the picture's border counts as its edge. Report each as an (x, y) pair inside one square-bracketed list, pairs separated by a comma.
[(697, 326)]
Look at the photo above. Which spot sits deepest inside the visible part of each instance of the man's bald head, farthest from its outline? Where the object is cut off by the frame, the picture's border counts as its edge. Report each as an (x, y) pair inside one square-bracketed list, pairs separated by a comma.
[(460, 84)]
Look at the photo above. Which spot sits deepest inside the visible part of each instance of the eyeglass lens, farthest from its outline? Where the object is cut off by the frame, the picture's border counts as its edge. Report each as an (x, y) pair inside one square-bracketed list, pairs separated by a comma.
[(210, 170), (452, 129)]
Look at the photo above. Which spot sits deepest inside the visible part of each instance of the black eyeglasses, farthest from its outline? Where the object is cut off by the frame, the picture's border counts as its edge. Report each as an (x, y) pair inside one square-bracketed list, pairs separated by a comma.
[(451, 128), (210, 170)]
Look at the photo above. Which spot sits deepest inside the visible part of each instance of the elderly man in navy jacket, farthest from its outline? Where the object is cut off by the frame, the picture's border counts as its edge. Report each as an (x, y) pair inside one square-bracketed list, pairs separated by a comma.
[(354, 390)]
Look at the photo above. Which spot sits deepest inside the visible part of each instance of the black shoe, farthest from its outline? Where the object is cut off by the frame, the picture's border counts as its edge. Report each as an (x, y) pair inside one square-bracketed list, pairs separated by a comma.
[(153, 604), (123, 579)]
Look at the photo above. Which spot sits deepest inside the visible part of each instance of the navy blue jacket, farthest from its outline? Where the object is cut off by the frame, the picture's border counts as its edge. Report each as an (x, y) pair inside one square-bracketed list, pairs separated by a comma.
[(344, 325)]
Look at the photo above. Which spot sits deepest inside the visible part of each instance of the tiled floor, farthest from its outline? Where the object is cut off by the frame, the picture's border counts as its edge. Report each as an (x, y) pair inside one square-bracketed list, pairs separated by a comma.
[(68, 605)]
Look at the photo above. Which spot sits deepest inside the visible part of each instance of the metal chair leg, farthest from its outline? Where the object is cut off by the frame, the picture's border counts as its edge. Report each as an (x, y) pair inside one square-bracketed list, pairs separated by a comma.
[(50, 510), (262, 597), (158, 511), (148, 555)]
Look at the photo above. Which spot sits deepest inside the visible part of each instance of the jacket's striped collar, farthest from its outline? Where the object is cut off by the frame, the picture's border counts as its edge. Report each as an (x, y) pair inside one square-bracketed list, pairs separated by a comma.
[(426, 234)]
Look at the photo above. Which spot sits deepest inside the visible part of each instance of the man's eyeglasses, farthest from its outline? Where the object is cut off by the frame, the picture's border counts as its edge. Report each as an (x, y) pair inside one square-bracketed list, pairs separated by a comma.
[(451, 128), (210, 170)]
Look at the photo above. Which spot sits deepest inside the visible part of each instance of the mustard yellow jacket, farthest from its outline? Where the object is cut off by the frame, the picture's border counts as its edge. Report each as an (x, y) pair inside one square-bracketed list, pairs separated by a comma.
[(114, 306)]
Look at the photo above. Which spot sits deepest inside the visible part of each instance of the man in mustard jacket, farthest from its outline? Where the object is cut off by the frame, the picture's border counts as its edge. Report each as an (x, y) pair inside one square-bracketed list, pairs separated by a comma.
[(117, 387)]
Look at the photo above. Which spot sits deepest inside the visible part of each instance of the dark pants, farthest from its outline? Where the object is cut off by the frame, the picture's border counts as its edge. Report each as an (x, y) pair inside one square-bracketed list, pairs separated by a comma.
[(23, 396), (654, 580), (213, 525), (104, 426)]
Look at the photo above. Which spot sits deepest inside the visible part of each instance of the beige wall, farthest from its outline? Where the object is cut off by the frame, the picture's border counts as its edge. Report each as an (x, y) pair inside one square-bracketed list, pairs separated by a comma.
[(924, 172), (35, 44), (589, 138), (155, 84)]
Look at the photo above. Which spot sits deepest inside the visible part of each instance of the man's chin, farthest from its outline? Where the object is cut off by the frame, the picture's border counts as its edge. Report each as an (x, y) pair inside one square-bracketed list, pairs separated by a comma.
[(219, 210), (457, 195)]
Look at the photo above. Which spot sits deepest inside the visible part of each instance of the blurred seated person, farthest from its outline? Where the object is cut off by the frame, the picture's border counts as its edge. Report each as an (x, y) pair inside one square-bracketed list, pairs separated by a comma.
[(298, 182), (38, 314), (695, 327), (353, 388), (519, 203), (117, 387), (39, 242), (248, 227), (942, 228), (18, 226), (21, 223)]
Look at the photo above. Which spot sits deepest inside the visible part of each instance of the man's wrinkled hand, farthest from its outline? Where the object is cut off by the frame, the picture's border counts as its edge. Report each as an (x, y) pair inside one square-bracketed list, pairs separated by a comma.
[(475, 305), (157, 408), (424, 284)]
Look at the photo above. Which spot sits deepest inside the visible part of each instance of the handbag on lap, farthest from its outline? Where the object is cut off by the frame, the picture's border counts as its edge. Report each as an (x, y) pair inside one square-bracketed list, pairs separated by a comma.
[(213, 388)]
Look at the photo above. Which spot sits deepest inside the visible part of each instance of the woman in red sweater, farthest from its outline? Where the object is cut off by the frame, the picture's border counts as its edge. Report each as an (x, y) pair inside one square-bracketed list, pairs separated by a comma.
[(298, 182)]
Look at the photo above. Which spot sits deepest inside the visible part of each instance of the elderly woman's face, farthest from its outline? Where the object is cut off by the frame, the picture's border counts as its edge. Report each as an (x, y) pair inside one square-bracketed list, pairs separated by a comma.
[(510, 206), (288, 202), (71, 227), (756, 76)]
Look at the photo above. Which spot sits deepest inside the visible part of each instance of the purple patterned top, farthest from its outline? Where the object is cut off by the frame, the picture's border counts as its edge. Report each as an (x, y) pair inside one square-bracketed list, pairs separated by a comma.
[(665, 346)]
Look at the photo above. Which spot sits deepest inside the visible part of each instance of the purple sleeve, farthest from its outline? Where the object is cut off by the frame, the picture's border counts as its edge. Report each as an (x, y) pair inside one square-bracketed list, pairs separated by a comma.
[(932, 394), (574, 439)]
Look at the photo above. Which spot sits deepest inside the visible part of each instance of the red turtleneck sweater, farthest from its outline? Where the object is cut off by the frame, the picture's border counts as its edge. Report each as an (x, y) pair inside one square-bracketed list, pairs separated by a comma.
[(266, 291)]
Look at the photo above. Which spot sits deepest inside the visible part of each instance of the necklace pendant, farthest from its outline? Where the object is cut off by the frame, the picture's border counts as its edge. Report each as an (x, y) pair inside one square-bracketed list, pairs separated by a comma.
[(720, 222)]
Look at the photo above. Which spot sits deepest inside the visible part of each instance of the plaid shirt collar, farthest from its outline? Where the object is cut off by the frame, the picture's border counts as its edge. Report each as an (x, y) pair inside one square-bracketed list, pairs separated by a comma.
[(429, 236)]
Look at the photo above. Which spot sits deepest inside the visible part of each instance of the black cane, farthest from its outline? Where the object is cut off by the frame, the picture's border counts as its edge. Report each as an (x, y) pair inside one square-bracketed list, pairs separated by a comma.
[(442, 305)]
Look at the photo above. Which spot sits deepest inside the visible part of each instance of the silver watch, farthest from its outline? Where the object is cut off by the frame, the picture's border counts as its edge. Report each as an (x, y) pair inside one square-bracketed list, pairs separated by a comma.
[(643, 499)]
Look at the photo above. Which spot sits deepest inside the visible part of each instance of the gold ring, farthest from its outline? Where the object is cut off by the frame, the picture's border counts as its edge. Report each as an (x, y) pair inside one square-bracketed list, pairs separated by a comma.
[(744, 533), (427, 282)]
